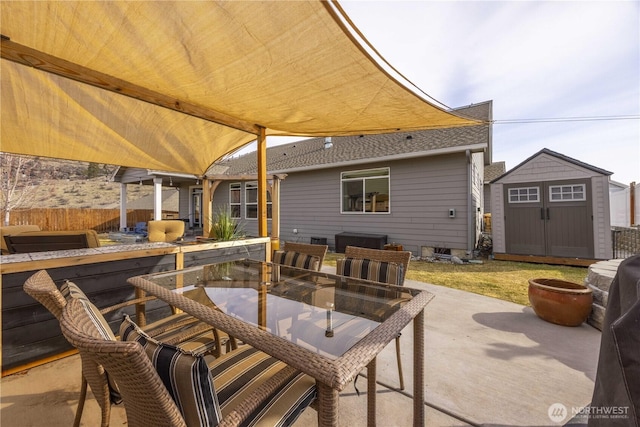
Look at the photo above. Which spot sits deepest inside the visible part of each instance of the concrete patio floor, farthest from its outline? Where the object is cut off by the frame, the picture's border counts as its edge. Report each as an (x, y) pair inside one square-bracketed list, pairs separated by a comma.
[(488, 362)]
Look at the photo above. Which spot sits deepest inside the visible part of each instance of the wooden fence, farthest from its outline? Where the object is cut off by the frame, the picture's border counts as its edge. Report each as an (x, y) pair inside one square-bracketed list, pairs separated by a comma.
[(101, 220)]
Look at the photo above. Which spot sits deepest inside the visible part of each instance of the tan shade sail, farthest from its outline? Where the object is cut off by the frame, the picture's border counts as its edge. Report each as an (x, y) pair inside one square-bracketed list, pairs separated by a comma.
[(293, 68)]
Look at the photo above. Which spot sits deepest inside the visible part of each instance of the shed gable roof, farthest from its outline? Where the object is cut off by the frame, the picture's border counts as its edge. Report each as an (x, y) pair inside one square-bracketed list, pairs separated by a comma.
[(312, 154), (560, 157)]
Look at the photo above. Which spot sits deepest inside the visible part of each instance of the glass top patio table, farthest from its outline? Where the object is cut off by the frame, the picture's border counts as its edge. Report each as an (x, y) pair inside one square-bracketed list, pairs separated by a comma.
[(328, 326)]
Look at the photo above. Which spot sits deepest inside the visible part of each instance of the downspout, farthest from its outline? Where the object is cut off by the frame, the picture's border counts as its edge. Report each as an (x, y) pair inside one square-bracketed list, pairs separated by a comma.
[(471, 227)]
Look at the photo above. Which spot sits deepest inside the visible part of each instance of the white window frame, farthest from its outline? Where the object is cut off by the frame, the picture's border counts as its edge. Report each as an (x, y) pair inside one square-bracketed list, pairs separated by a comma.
[(235, 186), (519, 194), (251, 185), (570, 191), (376, 173)]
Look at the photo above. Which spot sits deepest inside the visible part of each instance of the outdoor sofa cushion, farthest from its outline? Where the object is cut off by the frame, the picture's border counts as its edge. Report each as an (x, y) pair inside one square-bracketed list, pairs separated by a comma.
[(14, 229), (92, 238)]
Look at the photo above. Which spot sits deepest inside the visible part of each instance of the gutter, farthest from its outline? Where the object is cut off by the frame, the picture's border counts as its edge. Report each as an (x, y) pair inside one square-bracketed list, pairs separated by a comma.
[(473, 148)]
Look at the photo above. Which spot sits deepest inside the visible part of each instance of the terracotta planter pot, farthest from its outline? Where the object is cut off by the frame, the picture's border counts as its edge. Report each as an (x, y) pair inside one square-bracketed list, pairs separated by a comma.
[(560, 302)]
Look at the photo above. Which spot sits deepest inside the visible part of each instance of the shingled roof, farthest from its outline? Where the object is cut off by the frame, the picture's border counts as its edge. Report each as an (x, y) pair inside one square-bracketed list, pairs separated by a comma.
[(312, 154), (494, 170)]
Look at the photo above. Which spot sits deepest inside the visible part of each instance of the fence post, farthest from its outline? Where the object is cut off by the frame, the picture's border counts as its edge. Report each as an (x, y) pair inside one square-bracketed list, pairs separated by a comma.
[(632, 202)]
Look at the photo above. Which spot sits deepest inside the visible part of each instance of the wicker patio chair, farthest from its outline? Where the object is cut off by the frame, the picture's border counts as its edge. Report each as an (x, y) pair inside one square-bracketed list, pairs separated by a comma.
[(145, 394), (309, 249), (397, 257), (179, 329)]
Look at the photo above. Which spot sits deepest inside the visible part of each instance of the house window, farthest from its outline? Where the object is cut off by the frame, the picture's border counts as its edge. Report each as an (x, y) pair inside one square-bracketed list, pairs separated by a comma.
[(234, 199), (562, 193), (251, 201), (365, 191), (524, 195)]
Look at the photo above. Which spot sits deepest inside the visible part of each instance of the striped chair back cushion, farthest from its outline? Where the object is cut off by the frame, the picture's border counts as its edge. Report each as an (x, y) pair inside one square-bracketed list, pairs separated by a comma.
[(70, 290), (184, 374), (296, 259), (377, 271)]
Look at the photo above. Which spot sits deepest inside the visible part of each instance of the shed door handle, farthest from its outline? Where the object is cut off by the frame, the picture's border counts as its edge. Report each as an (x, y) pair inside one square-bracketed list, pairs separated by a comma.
[(542, 214)]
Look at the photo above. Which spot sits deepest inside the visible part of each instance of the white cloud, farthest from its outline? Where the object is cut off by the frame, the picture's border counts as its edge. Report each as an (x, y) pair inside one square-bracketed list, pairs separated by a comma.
[(535, 59)]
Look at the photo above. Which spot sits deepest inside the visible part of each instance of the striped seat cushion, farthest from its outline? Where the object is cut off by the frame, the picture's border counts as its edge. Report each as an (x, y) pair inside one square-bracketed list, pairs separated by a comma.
[(240, 372), (296, 259), (184, 374), (377, 271)]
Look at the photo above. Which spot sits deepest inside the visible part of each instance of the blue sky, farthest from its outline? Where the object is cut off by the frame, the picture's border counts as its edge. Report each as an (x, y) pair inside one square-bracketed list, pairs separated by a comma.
[(534, 59)]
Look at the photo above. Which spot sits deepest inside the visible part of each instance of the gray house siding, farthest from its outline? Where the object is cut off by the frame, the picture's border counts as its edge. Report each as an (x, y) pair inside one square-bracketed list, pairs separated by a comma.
[(422, 191)]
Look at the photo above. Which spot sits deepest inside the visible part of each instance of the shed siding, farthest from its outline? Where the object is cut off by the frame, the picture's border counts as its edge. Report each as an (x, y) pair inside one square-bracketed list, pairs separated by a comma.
[(601, 218), (497, 218), (487, 199)]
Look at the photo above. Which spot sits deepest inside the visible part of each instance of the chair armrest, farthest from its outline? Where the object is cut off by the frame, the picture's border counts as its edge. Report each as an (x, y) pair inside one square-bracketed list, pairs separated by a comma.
[(126, 304)]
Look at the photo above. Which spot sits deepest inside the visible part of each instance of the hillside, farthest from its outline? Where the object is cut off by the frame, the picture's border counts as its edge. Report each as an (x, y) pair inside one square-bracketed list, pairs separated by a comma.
[(59, 183), (94, 193)]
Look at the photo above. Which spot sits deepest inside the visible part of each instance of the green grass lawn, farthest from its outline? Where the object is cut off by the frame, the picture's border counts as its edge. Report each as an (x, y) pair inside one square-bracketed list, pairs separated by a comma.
[(498, 279)]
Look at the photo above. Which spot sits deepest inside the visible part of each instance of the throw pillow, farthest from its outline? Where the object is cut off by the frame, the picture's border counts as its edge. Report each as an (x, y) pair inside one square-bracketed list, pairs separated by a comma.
[(185, 375)]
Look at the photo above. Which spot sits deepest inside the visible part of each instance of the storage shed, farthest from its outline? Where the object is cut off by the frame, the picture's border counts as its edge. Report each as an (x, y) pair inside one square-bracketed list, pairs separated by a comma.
[(551, 208)]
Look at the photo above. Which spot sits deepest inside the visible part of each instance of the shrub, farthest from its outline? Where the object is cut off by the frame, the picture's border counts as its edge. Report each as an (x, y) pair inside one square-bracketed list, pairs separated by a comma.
[(225, 227)]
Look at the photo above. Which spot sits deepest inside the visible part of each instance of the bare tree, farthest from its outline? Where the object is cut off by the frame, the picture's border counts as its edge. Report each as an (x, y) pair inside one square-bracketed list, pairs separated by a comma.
[(16, 185)]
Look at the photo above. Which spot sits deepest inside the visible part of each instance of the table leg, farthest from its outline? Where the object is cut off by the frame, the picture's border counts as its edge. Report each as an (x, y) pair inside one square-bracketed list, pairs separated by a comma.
[(327, 405), (371, 393), (141, 315), (418, 371)]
